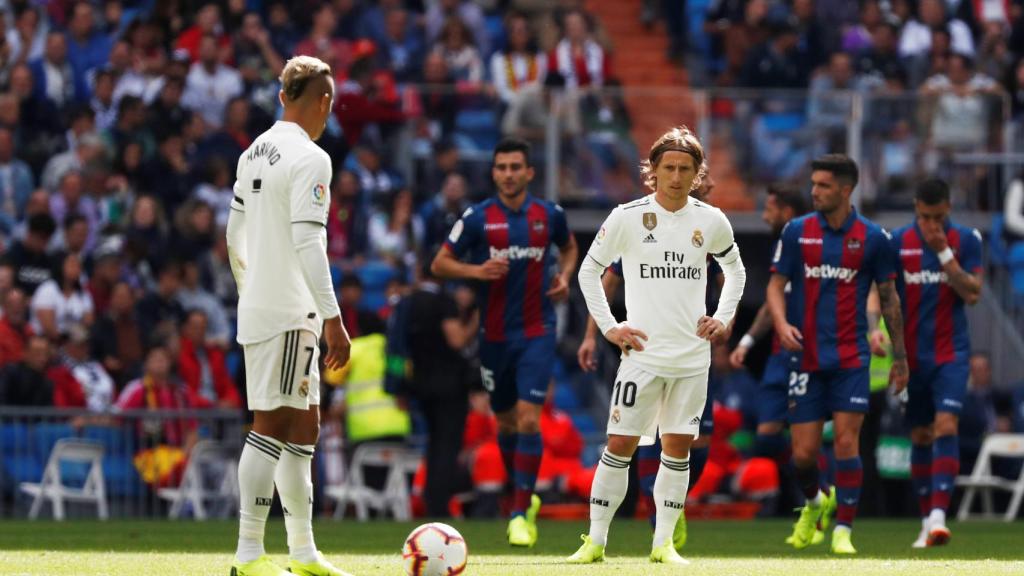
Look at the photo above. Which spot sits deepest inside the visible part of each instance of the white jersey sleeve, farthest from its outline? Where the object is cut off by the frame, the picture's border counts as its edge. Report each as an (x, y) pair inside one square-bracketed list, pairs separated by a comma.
[(608, 245), (310, 192)]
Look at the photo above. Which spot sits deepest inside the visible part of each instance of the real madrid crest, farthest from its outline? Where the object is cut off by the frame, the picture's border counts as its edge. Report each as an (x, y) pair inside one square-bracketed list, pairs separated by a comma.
[(698, 239), (650, 220), (304, 388), (615, 416)]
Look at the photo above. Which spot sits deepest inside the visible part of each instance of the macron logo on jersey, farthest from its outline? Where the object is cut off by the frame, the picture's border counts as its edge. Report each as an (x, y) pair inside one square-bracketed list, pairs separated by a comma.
[(924, 277), (535, 253), (829, 272)]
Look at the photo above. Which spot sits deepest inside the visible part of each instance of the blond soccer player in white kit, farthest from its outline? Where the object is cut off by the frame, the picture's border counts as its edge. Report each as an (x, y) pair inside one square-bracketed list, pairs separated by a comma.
[(664, 240), (277, 243)]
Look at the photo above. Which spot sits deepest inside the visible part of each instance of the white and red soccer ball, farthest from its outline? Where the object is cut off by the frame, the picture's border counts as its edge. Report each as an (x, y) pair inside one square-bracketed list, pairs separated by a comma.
[(434, 549)]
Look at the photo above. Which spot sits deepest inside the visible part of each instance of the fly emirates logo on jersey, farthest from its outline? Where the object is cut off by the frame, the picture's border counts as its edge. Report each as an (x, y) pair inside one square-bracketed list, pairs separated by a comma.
[(829, 272), (535, 253), (672, 269)]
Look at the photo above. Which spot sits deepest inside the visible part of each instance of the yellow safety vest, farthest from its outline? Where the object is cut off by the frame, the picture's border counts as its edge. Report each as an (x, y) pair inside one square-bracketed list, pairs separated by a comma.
[(880, 365), (370, 412)]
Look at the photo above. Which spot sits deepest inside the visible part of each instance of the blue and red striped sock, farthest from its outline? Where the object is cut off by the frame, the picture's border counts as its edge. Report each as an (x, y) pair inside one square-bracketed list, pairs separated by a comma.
[(527, 463), (648, 458), (827, 469), (921, 476), (507, 445), (945, 467), (849, 477), (698, 458)]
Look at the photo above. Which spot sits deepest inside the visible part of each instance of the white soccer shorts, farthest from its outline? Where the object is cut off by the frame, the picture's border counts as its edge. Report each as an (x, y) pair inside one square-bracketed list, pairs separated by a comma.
[(283, 371), (643, 404)]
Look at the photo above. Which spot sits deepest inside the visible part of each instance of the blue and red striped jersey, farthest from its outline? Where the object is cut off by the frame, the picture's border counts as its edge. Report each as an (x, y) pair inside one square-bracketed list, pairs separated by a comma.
[(934, 321), (830, 273), (515, 306)]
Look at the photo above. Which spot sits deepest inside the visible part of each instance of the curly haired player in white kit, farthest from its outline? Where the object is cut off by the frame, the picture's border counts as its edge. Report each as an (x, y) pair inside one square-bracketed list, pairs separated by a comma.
[(277, 242), (664, 240)]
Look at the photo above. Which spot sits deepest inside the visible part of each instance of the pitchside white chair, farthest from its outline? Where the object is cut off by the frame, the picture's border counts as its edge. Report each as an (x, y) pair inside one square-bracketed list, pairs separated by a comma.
[(52, 487), (210, 476), (399, 461), (982, 480)]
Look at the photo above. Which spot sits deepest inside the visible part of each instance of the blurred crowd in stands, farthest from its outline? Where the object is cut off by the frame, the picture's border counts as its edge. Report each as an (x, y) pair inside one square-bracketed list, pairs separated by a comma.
[(121, 122)]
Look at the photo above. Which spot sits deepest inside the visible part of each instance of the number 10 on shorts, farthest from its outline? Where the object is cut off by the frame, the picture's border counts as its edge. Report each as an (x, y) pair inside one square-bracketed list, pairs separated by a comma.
[(625, 392)]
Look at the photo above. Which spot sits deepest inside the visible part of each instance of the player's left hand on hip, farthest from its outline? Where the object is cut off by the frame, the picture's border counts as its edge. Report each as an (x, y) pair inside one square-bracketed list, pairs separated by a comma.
[(710, 329), (559, 289)]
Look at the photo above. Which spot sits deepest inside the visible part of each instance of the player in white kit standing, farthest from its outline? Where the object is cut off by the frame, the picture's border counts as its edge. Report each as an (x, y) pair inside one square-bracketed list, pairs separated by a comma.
[(663, 239), (277, 242)]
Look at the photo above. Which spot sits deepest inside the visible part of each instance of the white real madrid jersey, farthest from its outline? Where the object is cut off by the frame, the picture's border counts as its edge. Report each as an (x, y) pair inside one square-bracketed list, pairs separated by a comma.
[(664, 264), (282, 178)]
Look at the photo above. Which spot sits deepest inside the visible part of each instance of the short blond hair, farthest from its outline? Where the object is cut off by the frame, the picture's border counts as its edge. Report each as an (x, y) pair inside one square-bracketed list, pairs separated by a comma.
[(679, 139), (297, 73)]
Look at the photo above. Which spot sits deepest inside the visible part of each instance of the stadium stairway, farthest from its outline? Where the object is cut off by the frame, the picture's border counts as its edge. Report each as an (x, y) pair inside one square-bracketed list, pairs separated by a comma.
[(657, 94)]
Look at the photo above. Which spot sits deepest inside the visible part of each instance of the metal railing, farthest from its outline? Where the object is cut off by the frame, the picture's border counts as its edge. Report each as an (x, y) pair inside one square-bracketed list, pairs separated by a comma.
[(133, 470)]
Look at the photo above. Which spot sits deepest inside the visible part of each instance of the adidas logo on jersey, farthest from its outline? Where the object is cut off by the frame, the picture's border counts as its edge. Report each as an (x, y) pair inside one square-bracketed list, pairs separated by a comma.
[(695, 421), (650, 239)]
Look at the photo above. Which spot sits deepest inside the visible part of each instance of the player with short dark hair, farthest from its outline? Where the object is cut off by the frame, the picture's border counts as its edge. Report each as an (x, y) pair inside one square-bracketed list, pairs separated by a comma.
[(505, 243), (939, 271), (830, 259)]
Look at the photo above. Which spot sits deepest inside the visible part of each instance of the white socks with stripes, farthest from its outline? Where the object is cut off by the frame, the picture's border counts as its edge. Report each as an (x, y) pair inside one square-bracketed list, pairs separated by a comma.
[(295, 487), (256, 493), (606, 493), (669, 495)]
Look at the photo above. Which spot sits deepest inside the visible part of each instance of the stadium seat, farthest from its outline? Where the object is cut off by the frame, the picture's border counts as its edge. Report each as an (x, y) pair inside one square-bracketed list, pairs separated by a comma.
[(400, 462), (66, 456), (983, 480), (46, 435), (210, 476), (375, 275), (565, 398), (118, 469)]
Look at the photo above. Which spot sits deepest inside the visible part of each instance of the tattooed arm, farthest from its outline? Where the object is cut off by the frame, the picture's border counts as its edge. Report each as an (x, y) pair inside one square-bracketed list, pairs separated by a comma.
[(967, 285), (890, 302)]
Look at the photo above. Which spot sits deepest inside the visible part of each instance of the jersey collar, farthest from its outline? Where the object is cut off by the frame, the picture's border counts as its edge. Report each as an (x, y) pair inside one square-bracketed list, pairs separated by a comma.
[(522, 209), (292, 127), (846, 223), (662, 210)]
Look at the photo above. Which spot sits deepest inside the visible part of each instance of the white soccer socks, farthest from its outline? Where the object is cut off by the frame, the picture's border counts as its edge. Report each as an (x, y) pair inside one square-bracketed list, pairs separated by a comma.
[(606, 493), (669, 496), (295, 487), (256, 467)]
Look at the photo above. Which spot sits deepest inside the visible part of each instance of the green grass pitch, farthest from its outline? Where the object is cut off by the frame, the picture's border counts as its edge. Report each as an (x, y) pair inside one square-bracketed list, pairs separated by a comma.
[(161, 548)]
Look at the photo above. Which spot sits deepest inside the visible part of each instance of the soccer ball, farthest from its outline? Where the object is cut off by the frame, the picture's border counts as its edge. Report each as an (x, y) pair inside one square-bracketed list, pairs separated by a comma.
[(434, 549)]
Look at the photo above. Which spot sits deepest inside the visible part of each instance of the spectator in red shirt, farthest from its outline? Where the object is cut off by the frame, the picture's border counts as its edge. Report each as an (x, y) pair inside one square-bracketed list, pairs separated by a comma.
[(367, 96), (207, 22), (14, 327), (321, 42), (157, 390), (202, 367), (577, 57)]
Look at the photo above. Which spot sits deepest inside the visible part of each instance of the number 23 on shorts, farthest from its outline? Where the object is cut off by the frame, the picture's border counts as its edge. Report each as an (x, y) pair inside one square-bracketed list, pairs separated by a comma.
[(798, 383)]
